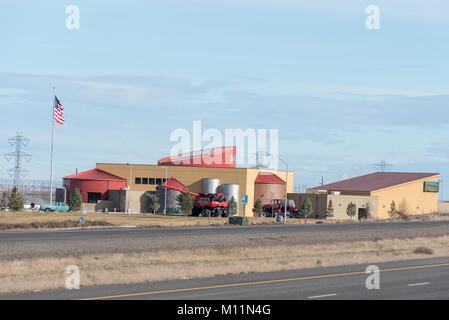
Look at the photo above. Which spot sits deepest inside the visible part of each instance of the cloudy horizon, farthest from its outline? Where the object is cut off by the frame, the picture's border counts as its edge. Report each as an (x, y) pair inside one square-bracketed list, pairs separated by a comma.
[(342, 97)]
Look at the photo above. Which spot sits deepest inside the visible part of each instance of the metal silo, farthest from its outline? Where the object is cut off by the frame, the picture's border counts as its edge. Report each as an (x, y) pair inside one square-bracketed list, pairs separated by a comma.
[(211, 185), (172, 204), (232, 190)]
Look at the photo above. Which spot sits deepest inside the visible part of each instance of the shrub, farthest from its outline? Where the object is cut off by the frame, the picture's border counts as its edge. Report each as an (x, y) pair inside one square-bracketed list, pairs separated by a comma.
[(75, 200), (257, 206), (351, 209), (330, 210), (423, 250), (15, 200)]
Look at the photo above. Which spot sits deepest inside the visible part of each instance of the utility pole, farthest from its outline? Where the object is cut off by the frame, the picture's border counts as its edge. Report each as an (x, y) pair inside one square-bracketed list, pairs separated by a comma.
[(18, 142)]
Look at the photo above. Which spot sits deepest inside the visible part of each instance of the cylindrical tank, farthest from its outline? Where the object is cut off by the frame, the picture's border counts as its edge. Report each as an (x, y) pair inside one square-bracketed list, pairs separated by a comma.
[(268, 191), (210, 185), (232, 190), (172, 204)]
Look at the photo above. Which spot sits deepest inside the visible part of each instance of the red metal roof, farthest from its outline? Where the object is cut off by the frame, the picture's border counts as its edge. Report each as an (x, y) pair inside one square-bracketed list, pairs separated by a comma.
[(223, 157), (374, 181), (175, 184), (268, 177), (95, 174)]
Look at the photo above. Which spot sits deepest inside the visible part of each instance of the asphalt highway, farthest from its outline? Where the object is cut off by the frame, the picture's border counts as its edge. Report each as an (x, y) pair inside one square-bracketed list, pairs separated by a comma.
[(115, 233), (411, 279)]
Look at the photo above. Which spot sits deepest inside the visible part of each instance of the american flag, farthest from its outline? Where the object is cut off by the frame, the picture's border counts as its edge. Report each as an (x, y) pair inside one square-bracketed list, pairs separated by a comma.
[(58, 113)]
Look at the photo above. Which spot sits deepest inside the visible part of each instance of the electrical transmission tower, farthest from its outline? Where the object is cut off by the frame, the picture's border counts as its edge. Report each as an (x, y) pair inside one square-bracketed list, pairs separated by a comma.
[(383, 166), (18, 142)]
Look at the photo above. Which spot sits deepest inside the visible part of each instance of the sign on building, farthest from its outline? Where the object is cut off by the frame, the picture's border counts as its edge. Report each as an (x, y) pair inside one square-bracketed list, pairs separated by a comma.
[(431, 186)]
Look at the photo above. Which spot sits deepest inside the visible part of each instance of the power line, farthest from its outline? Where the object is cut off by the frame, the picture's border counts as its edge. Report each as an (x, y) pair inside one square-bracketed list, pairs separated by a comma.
[(383, 166), (18, 142)]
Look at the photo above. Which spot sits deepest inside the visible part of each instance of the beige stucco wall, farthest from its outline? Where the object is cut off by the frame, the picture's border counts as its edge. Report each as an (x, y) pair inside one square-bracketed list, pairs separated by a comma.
[(408, 197), (443, 206), (340, 203), (192, 177), (320, 201)]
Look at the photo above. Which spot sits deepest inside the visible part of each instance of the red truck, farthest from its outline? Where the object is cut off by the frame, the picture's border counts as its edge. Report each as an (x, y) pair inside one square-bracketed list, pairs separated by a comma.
[(277, 207), (213, 204)]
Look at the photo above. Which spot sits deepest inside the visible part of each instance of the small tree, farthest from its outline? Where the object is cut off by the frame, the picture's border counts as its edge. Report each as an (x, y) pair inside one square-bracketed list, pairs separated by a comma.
[(154, 204), (4, 201), (351, 210), (392, 212), (185, 203), (15, 200), (75, 200), (368, 210), (307, 209), (232, 207), (330, 210), (257, 206)]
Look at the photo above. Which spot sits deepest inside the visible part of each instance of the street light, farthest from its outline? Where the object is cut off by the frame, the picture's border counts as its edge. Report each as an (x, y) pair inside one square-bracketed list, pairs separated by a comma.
[(441, 193), (165, 191)]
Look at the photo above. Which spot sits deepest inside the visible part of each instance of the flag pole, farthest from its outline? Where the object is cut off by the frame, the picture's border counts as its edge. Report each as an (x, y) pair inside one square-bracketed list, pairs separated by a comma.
[(51, 160)]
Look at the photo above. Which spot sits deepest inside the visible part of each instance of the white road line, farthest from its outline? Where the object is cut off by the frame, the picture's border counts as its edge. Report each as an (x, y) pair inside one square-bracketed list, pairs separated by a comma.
[(322, 296), (418, 284)]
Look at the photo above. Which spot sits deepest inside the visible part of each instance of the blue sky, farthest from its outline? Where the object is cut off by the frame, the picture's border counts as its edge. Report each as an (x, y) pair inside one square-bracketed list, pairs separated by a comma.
[(343, 97)]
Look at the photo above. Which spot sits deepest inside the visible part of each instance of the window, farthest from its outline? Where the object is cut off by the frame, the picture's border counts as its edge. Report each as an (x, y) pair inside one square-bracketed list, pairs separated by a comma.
[(138, 180), (158, 181), (93, 197), (164, 180), (144, 180), (152, 181)]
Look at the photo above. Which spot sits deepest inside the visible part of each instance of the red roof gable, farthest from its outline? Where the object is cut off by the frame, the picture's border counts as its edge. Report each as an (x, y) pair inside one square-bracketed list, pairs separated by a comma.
[(94, 174), (374, 181), (174, 183), (268, 177)]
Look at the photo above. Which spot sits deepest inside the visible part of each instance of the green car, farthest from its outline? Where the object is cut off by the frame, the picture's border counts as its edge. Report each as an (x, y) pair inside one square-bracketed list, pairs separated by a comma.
[(58, 207)]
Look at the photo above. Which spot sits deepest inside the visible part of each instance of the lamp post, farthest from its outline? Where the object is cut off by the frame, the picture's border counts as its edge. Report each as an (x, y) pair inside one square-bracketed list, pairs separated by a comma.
[(129, 187), (165, 191)]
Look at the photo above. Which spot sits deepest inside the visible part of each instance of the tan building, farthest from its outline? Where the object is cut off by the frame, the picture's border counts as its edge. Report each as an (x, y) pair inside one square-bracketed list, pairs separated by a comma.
[(144, 177), (413, 193)]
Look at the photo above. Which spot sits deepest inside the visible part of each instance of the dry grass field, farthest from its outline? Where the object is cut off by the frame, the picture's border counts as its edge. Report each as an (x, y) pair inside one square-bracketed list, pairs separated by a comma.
[(116, 219), (101, 269)]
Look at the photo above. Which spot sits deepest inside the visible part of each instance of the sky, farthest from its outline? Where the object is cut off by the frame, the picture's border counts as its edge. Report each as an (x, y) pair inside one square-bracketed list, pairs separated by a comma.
[(343, 97)]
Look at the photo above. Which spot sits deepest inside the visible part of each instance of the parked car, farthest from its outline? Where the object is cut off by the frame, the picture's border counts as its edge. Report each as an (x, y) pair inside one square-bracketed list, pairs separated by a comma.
[(58, 207)]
